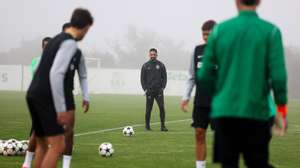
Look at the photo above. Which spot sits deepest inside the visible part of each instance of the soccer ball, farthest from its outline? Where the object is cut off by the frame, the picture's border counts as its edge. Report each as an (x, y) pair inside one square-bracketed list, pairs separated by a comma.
[(106, 149), (1, 147), (19, 148), (9, 149), (25, 145), (128, 131), (12, 141)]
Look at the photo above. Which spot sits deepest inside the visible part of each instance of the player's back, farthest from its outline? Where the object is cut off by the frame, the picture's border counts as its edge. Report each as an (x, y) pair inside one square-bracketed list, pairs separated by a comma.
[(242, 47), (40, 85)]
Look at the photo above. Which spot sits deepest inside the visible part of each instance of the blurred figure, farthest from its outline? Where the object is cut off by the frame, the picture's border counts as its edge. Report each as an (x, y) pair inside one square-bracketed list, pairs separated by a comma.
[(249, 56), (32, 141), (35, 61), (78, 62), (202, 101), (46, 97), (154, 81)]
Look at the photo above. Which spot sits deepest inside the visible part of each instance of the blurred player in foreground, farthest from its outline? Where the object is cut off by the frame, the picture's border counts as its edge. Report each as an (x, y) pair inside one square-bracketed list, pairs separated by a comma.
[(248, 52), (47, 98)]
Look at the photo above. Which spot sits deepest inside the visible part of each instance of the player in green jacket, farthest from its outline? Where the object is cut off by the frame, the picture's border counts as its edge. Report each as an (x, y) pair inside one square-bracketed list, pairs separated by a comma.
[(248, 54)]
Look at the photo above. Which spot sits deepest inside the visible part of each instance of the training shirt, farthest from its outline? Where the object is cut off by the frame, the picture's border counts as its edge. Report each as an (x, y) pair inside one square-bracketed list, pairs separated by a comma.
[(248, 53), (202, 95), (77, 64), (48, 82)]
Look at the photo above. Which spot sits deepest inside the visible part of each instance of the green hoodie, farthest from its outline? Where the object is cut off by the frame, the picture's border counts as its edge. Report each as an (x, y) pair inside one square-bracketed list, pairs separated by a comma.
[(248, 54)]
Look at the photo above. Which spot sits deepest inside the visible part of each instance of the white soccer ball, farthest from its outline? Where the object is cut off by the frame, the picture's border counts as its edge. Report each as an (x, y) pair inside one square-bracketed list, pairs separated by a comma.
[(9, 149), (19, 148), (12, 141), (106, 149), (128, 131), (25, 145), (1, 147)]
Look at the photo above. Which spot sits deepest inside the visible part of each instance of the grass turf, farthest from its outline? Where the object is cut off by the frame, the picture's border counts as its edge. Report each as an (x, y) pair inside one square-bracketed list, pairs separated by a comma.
[(174, 149)]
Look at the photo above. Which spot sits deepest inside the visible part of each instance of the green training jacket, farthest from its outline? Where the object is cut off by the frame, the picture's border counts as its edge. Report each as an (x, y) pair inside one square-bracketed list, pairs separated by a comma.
[(249, 57)]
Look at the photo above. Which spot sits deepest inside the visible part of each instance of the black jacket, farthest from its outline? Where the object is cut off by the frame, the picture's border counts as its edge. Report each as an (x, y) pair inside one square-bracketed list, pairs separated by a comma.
[(153, 76)]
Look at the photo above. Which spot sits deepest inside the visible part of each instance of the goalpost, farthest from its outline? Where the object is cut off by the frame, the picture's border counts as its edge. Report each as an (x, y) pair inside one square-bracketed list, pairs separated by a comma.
[(90, 62)]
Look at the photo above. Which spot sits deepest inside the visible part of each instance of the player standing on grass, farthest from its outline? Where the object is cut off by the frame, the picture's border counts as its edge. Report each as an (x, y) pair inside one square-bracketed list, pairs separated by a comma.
[(32, 141), (202, 101), (77, 63), (47, 97), (248, 52), (154, 81)]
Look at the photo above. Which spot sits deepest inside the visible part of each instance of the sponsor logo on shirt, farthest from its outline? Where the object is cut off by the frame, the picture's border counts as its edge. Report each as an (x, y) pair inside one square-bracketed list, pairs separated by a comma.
[(199, 63)]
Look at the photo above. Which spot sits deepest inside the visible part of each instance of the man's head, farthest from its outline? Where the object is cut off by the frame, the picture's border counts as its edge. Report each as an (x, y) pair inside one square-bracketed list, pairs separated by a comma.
[(45, 41), (153, 53), (66, 26), (247, 4), (81, 21), (207, 28)]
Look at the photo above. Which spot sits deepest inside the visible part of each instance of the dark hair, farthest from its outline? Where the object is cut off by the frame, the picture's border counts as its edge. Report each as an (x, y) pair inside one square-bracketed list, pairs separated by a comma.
[(46, 39), (65, 26), (208, 25), (81, 18), (249, 2), (153, 49)]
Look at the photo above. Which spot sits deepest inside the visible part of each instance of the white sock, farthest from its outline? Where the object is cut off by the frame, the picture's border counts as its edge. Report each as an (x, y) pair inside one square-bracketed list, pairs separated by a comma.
[(28, 159), (200, 164), (66, 161)]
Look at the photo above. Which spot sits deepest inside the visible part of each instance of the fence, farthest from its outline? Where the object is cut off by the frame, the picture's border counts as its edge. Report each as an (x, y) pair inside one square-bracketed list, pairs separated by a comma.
[(100, 81)]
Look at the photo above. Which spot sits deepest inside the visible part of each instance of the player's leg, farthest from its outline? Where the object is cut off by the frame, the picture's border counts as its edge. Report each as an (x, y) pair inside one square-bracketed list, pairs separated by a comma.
[(161, 105), (200, 136), (50, 134), (35, 125), (30, 152), (69, 139), (229, 134), (40, 152), (56, 146), (200, 123), (149, 105), (256, 148)]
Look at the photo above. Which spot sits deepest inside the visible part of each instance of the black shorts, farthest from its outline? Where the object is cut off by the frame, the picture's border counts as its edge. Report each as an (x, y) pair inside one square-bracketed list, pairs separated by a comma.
[(235, 136), (44, 118), (201, 117)]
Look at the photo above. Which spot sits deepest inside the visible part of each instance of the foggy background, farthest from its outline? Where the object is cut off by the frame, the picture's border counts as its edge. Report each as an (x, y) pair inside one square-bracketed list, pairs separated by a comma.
[(124, 30)]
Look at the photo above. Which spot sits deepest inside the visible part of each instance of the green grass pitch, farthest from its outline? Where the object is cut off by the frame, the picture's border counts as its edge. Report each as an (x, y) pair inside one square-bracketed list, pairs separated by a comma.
[(174, 149)]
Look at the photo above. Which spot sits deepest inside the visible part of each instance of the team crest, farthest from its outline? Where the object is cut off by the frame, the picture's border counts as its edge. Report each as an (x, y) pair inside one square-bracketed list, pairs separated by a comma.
[(157, 66)]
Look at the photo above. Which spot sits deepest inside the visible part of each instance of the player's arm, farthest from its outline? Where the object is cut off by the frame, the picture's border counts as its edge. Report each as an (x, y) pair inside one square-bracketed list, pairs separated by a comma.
[(278, 76), (277, 69), (189, 85), (57, 75), (206, 74), (164, 76), (143, 78), (82, 73)]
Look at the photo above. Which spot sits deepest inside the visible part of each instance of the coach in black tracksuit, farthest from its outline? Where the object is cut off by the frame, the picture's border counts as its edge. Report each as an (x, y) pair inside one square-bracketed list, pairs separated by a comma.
[(154, 80)]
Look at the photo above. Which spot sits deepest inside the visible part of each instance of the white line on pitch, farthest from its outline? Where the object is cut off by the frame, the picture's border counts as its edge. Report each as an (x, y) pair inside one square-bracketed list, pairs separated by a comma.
[(118, 128)]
